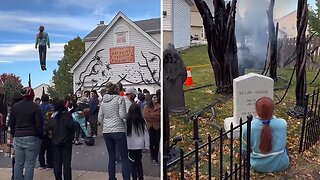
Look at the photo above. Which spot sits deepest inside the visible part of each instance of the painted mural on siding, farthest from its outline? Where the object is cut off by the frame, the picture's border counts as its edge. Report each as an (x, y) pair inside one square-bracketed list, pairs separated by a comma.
[(97, 68)]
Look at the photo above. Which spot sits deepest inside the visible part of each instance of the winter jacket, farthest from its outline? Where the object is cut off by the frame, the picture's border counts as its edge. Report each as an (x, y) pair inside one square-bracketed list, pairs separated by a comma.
[(25, 119), (45, 107), (112, 114), (62, 128), (152, 116), (138, 142), (128, 103)]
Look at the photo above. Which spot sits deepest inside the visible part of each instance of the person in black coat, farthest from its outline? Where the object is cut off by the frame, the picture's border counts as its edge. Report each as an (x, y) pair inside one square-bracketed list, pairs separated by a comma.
[(26, 126), (62, 127)]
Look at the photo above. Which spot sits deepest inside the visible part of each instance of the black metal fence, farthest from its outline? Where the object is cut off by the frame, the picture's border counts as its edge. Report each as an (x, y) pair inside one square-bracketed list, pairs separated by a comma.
[(3, 136), (3, 111), (229, 167), (310, 131), (3, 130)]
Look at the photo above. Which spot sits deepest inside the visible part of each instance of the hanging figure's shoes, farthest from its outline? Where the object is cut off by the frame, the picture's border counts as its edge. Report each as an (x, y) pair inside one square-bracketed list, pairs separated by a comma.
[(43, 68)]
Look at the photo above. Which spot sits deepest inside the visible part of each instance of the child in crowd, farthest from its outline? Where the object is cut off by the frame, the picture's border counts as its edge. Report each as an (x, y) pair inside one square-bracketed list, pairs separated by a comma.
[(137, 139)]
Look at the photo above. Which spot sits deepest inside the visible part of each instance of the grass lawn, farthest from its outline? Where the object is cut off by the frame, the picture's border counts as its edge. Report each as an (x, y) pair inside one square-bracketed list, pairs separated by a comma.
[(305, 166)]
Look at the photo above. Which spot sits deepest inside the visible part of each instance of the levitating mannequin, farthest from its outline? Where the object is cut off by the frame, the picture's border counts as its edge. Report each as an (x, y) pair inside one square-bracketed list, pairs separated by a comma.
[(42, 40)]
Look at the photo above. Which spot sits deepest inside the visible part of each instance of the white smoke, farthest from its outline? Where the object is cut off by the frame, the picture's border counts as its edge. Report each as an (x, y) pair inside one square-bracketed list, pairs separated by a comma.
[(252, 32), (252, 27)]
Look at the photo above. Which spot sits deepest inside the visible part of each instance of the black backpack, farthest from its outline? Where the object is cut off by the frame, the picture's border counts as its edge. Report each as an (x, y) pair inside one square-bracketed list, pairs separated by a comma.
[(62, 128), (89, 141)]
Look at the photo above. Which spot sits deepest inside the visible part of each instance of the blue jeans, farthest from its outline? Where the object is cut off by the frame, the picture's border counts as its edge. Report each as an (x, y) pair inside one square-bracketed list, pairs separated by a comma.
[(26, 152), (42, 54), (112, 140)]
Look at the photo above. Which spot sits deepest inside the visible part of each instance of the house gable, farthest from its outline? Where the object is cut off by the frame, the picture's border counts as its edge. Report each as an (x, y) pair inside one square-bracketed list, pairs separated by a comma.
[(111, 24), (94, 73)]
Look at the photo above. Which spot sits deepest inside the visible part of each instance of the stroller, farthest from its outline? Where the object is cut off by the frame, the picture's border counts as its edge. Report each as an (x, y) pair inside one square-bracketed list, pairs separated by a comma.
[(77, 117)]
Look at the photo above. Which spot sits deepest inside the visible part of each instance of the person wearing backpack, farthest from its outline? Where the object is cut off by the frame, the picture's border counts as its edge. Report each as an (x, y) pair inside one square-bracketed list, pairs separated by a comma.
[(9, 149), (46, 144), (62, 128)]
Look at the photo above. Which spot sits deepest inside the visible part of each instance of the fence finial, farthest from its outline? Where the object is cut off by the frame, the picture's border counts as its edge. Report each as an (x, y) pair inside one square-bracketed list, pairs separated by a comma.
[(29, 81)]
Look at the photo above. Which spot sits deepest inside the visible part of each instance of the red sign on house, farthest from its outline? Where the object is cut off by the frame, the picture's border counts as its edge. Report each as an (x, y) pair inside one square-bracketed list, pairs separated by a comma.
[(121, 55)]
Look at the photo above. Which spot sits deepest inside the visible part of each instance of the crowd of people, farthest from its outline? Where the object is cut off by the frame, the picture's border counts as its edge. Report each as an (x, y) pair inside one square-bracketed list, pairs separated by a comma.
[(47, 130)]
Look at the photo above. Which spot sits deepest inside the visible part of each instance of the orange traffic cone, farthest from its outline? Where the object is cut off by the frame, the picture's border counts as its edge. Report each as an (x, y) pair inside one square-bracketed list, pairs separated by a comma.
[(189, 77)]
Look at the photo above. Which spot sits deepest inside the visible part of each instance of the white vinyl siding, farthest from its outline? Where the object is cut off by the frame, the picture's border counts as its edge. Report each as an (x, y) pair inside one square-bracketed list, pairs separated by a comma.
[(38, 90), (140, 43), (181, 24), (156, 36), (167, 20), (87, 44)]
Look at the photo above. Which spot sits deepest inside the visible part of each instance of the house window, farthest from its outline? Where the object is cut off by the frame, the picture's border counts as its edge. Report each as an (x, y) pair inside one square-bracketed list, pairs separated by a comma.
[(121, 36)]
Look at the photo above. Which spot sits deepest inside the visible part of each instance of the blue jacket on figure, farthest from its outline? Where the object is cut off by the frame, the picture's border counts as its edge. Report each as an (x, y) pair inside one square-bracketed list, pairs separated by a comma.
[(276, 159)]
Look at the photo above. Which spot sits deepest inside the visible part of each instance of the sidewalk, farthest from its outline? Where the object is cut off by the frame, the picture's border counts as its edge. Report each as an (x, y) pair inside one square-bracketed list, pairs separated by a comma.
[(76, 175)]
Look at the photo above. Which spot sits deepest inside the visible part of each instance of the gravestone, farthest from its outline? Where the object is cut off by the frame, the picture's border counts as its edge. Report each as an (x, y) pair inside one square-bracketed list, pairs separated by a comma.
[(247, 90), (174, 75)]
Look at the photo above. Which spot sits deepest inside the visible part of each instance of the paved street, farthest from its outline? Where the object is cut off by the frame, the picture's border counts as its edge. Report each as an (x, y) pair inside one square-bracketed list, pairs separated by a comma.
[(76, 175), (86, 159)]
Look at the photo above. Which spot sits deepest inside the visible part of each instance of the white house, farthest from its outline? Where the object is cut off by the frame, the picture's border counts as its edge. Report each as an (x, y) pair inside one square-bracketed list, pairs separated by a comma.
[(177, 23), (122, 51), (288, 25), (197, 28), (39, 89)]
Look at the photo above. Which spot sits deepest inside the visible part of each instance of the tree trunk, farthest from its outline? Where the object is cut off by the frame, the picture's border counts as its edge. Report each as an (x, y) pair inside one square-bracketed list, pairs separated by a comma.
[(222, 45), (301, 44), (272, 58)]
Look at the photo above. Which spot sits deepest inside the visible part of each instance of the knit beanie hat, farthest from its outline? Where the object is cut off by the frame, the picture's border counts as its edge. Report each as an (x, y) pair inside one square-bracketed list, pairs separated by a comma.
[(27, 93)]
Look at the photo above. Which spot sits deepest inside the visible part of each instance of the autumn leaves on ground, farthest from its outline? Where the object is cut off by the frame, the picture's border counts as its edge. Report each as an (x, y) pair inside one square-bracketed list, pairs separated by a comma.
[(302, 166)]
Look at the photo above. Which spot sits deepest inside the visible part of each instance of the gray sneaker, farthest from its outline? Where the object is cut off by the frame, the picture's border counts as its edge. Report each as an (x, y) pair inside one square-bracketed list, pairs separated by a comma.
[(42, 167)]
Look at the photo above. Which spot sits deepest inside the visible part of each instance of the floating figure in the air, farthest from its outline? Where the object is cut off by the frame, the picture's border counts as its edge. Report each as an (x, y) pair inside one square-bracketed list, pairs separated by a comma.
[(43, 40)]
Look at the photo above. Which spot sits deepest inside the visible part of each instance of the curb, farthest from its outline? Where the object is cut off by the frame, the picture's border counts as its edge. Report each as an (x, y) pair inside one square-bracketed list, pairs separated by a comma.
[(76, 175)]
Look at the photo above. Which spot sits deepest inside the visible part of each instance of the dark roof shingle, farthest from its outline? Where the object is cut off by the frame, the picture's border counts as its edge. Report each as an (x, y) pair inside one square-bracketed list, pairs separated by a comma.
[(146, 25), (149, 24), (96, 32)]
